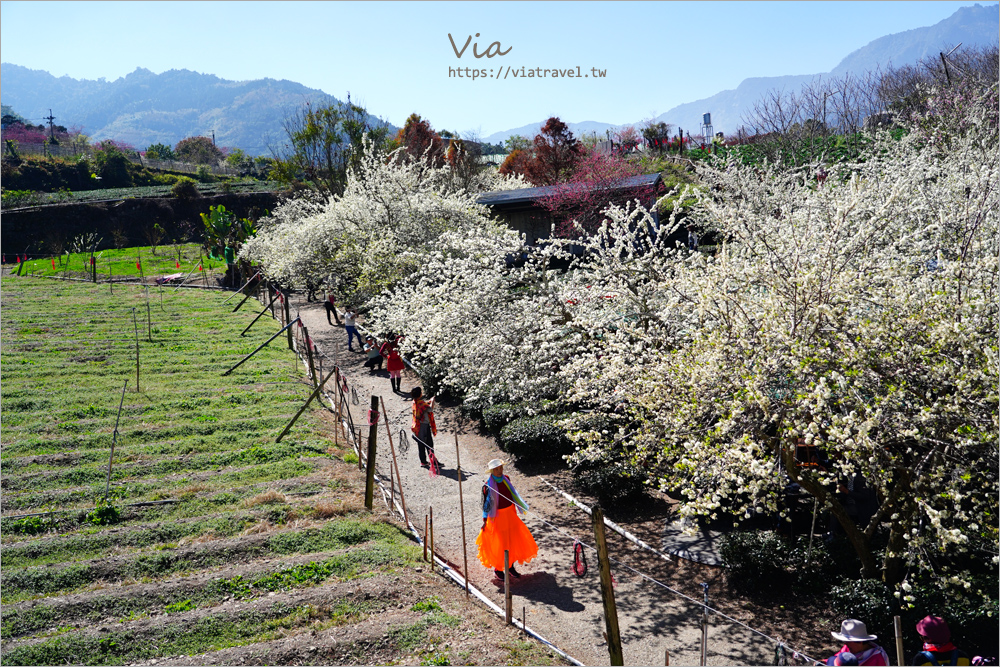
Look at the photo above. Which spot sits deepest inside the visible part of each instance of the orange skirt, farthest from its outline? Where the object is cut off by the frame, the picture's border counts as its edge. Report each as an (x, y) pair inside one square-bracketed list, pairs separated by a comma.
[(505, 532)]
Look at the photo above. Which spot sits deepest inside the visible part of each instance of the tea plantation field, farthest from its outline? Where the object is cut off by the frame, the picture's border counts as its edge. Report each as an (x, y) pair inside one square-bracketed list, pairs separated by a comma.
[(210, 543)]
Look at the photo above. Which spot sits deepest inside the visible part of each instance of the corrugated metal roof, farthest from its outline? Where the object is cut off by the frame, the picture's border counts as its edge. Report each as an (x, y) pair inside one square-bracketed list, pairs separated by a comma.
[(526, 195)]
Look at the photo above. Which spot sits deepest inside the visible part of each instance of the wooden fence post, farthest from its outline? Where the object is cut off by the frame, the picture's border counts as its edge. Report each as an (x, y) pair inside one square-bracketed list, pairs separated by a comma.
[(309, 354), (392, 448), (288, 318), (431, 537), (461, 507), (607, 591), (372, 435)]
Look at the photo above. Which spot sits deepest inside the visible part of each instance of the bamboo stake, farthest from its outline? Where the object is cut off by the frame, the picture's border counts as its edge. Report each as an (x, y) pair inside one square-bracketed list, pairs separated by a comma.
[(392, 448), (136, 323), (259, 348), (432, 538), (506, 586), (240, 290), (336, 431), (898, 627), (425, 537), (461, 507), (149, 319), (114, 439), (298, 414), (259, 315)]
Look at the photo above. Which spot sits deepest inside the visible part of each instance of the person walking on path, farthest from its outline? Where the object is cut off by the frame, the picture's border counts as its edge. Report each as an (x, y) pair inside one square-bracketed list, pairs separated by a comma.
[(937, 649), (350, 324), (394, 364), (858, 645), (423, 427), (503, 529), (331, 307)]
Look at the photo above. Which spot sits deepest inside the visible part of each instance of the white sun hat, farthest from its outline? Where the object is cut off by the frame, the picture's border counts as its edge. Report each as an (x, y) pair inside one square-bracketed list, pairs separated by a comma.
[(853, 630), (494, 463)]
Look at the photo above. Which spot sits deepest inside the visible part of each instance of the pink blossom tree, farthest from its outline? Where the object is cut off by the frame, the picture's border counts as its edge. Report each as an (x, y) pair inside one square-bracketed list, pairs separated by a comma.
[(578, 204)]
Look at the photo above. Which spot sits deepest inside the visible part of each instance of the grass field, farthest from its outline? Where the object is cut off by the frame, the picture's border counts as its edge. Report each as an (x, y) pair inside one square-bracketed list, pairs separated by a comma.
[(213, 537), (167, 259)]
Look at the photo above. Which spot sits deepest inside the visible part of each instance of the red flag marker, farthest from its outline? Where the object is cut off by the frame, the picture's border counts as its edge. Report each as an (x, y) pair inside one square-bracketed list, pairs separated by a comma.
[(199, 267), (93, 261), (137, 266), (53, 262), (178, 264)]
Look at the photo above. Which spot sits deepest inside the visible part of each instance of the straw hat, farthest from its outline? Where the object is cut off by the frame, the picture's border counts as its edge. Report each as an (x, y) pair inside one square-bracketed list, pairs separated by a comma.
[(494, 463), (853, 630)]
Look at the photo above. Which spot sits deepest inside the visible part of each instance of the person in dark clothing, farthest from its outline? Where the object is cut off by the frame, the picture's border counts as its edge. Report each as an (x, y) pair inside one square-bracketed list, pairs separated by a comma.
[(937, 649), (374, 356)]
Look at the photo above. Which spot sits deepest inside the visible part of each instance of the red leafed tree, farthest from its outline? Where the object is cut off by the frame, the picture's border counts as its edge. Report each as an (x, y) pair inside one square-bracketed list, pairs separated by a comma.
[(595, 183), (516, 162), (421, 142), (556, 154)]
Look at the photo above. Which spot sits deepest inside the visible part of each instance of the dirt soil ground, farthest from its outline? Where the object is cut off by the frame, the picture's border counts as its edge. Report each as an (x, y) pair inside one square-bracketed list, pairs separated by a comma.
[(657, 613)]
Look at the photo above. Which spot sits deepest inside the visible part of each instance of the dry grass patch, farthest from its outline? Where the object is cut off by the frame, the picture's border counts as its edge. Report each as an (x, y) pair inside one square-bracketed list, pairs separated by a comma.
[(330, 508), (268, 497), (195, 488), (259, 528)]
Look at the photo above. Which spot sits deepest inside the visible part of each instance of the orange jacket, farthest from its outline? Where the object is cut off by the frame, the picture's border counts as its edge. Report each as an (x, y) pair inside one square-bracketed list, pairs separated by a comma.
[(420, 408)]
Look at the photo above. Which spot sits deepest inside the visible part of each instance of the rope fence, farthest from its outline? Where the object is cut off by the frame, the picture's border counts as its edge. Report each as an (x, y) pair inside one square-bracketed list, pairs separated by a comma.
[(347, 395)]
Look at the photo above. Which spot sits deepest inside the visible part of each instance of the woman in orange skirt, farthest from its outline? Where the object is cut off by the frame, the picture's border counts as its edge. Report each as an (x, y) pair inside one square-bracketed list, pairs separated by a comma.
[(502, 527)]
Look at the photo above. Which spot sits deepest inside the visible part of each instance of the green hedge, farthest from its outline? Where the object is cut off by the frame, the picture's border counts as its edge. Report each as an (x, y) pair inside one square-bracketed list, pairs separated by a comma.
[(538, 437)]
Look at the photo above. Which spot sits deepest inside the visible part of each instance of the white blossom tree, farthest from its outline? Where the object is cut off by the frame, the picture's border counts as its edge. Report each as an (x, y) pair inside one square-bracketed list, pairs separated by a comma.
[(859, 317), (391, 212)]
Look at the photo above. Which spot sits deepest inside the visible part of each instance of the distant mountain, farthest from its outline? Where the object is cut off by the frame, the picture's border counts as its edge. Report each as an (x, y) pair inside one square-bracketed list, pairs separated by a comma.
[(971, 26), (578, 129), (144, 108)]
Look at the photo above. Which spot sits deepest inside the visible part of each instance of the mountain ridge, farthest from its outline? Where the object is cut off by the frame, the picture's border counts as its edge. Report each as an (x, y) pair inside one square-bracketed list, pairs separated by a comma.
[(143, 108), (977, 25)]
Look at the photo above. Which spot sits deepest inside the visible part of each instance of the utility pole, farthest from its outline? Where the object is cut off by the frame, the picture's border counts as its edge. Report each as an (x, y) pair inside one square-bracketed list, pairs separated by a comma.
[(50, 118)]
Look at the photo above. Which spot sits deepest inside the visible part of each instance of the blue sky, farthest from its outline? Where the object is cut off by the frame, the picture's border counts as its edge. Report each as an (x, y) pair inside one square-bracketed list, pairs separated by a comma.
[(395, 57)]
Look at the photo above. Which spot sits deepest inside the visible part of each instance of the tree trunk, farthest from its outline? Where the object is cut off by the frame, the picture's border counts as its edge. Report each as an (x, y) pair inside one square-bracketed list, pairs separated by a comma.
[(857, 538)]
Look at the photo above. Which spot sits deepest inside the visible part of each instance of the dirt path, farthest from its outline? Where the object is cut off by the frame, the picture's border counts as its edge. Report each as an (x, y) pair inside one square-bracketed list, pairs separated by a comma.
[(560, 606)]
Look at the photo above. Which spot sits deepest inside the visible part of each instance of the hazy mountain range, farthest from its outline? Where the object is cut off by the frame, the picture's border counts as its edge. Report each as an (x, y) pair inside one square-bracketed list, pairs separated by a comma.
[(144, 108), (970, 26)]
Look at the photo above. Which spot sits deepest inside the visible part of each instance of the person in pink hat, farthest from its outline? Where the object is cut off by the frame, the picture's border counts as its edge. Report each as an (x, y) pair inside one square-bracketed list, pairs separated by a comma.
[(937, 649), (859, 646)]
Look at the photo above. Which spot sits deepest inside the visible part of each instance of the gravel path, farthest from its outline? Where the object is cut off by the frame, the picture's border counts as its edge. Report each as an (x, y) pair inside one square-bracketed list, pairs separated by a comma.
[(565, 609)]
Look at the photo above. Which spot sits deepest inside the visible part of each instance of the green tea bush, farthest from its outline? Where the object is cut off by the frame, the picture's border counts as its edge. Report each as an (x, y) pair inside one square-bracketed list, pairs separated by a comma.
[(754, 561), (185, 188), (536, 436), (609, 482), (495, 417)]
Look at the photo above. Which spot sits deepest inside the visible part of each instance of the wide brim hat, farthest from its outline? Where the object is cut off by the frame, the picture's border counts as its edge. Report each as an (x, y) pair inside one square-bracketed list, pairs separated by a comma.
[(935, 629), (494, 463), (853, 630)]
